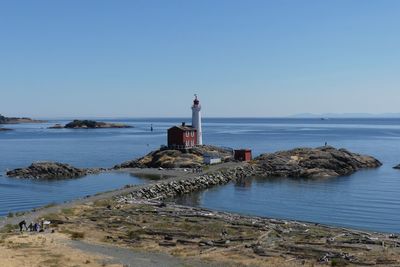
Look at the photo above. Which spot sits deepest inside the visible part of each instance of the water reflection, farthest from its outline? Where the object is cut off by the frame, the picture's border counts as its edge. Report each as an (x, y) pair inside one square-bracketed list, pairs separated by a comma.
[(365, 200), (151, 176), (243, 182), (193, 199)]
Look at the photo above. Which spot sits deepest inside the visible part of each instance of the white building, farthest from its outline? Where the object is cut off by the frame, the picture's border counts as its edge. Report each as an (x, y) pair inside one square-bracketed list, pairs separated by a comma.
[(196, 120), (209, 159)]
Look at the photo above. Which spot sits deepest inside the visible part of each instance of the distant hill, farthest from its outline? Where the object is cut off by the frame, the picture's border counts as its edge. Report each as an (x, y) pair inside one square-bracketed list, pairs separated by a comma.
[(12, 120), (90, 124), (346, 115)]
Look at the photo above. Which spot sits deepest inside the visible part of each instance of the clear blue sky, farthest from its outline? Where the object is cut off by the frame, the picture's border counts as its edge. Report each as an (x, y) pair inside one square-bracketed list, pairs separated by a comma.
[(243, 58)]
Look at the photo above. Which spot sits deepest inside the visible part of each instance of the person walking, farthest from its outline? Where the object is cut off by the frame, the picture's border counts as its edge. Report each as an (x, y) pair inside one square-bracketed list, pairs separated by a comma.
[(22, 224)]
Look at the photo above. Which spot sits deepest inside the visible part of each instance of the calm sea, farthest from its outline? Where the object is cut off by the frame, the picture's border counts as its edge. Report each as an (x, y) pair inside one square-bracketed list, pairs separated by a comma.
[(369, 199)]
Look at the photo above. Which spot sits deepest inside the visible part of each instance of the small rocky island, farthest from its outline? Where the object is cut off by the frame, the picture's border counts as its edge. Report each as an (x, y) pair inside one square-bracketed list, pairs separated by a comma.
[(4, 129), (50, 170), (174, 158), (90, 124), (397, 167), (319, 162), (15, 120)]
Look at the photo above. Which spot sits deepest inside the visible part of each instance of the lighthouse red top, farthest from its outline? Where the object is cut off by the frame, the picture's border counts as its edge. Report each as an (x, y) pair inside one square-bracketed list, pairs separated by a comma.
[(196, 101)]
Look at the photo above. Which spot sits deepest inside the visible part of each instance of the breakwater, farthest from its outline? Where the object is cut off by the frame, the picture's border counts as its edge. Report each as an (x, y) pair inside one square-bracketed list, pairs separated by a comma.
[(176, 187)]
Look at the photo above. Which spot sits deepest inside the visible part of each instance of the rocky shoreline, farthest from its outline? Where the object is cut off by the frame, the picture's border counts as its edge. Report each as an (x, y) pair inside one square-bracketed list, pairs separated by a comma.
[(300, 162), (5, 129), (51, 170), (178, 158), (138, 217), (145, 218), (321, 162), (15, 120), (318, 162), (335, 162)]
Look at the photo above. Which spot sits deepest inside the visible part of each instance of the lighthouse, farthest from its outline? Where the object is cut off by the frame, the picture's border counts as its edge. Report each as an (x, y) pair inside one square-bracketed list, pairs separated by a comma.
[(196, 120)]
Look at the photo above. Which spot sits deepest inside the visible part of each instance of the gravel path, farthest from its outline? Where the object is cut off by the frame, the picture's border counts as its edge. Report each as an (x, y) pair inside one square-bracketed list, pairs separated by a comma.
[(132, 258)]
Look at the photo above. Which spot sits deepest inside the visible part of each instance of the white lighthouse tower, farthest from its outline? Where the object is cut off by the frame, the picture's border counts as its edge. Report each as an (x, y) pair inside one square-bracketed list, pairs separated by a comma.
[(196, 119)]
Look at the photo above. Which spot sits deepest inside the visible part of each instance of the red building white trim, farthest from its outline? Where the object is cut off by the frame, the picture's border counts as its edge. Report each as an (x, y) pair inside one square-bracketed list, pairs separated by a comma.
[(181, 137)]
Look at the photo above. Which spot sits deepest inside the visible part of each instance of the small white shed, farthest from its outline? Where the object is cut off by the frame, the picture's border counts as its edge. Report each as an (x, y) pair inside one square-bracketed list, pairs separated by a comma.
[(209, 160)]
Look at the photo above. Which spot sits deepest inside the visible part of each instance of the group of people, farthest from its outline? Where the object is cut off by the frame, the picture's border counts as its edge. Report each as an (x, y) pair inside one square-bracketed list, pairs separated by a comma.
[(197, 170), (33, 226)]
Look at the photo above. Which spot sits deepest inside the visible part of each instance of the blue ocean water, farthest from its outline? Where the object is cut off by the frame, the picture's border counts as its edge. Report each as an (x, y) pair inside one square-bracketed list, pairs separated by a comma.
[(369, 199)]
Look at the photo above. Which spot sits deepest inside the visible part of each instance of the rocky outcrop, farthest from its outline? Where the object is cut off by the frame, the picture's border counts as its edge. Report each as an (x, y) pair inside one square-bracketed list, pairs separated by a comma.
[(313, 163), (90, 124), (185, 158), (14, 120), (57, 126), (300, 162), (5, 129), (397, 167), (50, 170)]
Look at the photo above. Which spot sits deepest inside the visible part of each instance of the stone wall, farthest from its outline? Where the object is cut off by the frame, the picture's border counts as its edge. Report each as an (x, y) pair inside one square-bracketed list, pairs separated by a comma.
[(170, 189)]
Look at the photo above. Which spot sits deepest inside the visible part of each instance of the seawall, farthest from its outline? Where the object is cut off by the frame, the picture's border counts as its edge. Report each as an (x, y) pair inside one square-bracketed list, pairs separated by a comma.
[(169, 189)]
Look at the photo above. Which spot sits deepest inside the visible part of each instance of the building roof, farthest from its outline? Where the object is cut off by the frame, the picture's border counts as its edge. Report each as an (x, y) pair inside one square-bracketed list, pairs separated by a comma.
[(185, 128)]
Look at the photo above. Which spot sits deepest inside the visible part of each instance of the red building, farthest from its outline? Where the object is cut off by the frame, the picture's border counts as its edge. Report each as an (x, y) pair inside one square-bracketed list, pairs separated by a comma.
[(243, 154), (183, 136)]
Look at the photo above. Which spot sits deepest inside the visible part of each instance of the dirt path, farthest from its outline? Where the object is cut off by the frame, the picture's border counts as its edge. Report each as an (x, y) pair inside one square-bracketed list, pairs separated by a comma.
[(134, 258)]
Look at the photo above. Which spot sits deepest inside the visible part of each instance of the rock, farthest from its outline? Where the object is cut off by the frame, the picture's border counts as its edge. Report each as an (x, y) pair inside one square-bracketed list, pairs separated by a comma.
[(14, 120), (167, 244), (83, 124), (5, 129), (173, 158), (56, 126), (258, 250), (397, 167), (50, 170), (313, 163), (170, 189), (89, 124)]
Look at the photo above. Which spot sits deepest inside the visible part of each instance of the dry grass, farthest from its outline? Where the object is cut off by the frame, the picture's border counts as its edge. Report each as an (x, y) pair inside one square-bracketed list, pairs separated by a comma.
[(220, 238), (43, 250)]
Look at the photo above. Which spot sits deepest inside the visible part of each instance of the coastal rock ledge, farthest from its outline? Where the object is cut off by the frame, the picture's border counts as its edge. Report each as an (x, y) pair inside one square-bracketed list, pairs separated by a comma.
[(397, 167), (318, 162), (50, 170), (173, 158)]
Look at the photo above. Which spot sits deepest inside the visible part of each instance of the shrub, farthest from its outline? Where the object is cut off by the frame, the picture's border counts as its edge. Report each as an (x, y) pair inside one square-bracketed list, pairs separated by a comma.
[(77, 235)]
